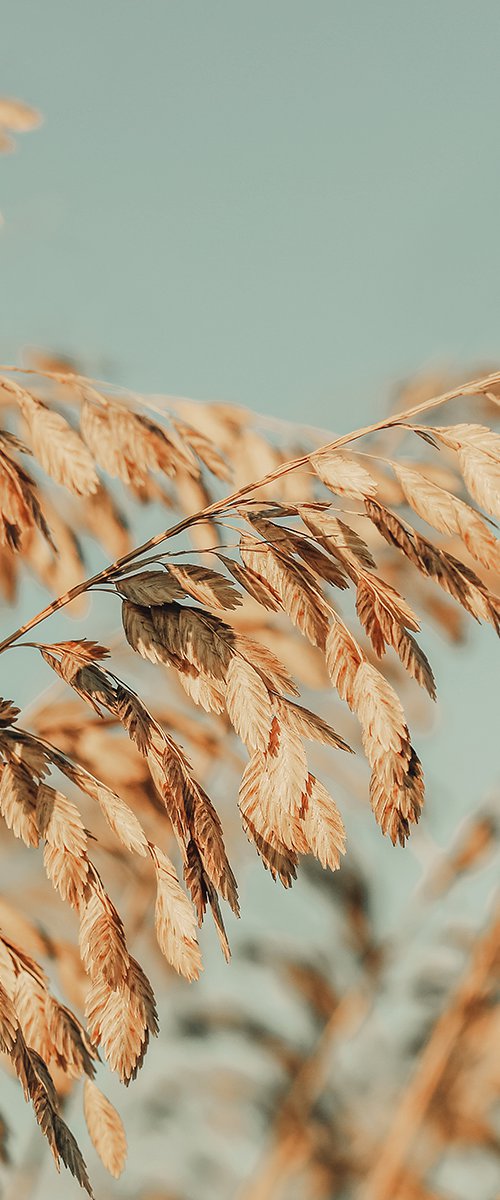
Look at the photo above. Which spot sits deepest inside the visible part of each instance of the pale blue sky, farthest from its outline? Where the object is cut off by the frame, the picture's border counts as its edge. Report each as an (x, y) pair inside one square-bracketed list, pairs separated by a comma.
[(286, 204)]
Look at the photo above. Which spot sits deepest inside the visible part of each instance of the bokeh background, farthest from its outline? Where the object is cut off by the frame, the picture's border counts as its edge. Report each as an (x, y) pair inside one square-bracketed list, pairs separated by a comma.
[(289, 206)]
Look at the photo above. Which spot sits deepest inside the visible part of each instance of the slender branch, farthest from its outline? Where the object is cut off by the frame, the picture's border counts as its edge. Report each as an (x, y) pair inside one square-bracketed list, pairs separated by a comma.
[(392, 1158), (307, 1085), (472, 388), (281, 1159)]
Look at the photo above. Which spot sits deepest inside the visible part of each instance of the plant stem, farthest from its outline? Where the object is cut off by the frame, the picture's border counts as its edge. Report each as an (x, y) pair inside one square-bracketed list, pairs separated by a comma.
[(472, 388), (392, 1158)]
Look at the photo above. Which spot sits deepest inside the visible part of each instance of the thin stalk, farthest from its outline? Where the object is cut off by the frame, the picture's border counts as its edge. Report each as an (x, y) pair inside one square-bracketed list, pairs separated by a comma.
[(392, 1158), (220, 506)]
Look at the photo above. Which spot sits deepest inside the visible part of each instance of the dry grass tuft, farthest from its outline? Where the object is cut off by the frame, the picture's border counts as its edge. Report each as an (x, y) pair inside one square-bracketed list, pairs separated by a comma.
[(284, 554)]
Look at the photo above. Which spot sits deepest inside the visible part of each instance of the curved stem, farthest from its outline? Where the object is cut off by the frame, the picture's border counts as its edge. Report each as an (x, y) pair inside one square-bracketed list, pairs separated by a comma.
[(384, 1180), (472, 388)]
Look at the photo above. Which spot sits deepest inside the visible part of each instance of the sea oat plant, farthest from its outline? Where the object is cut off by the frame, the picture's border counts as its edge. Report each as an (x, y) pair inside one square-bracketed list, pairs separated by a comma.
[(296, 540), (320, 540)]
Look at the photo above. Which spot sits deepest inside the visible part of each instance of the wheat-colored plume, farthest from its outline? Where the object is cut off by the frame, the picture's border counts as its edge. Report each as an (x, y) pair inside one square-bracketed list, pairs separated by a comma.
[(305, 571)]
